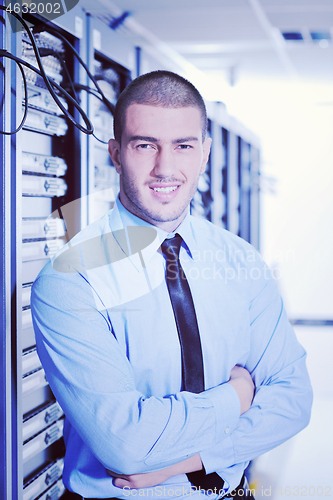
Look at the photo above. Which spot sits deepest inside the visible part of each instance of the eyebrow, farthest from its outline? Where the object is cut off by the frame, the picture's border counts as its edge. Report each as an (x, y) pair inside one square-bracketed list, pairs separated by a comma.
[(185, 139), (153, 139), (143, 138)]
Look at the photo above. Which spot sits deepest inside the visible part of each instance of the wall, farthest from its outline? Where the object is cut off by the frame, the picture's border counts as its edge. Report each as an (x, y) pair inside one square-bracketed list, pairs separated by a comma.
[(294, 122)]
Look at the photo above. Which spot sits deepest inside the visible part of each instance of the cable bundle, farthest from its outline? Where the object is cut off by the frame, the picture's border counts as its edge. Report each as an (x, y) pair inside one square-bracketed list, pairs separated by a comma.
[(33, 52)]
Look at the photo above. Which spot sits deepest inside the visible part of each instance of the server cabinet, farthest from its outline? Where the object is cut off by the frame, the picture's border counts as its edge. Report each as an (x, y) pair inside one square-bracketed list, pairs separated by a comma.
[(244, 180), (220, 150), (50, 165), (103, 178), (232, 187), (112, 77), (224, 175), (201, 205), (255, 197), (7, 269), (248, 179), (40, 171), (231, 195)]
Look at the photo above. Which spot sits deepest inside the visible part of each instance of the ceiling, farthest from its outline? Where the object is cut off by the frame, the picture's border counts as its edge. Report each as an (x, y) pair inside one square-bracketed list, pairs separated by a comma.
[(233, 39)]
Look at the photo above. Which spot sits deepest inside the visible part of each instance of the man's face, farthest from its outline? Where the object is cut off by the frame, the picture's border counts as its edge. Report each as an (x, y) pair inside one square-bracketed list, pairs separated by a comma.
[(159, 161)]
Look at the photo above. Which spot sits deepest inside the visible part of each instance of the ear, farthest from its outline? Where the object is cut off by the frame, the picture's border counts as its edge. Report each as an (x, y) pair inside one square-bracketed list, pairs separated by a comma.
[(114, 151), (205, 153)]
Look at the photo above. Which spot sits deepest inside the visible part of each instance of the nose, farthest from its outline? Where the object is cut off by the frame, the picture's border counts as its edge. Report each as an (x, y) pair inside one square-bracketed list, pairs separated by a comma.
[(164, 166)]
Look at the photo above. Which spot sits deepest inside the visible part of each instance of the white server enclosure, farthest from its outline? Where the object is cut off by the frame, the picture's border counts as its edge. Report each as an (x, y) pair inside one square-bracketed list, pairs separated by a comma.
[(41, 172)]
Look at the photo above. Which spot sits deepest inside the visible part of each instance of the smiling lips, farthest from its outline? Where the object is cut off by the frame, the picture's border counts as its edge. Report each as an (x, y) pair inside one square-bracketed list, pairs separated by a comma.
[(167, 189), (164, 192)]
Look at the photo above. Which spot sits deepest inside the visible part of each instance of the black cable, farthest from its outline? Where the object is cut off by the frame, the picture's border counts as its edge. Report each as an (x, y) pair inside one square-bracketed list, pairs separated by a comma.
[(103, 98), (100, 140), (50, 82), (20, 62), (89, 90), (25, 102), (96, 94), (4, 53), (44, 52), (109, 105)]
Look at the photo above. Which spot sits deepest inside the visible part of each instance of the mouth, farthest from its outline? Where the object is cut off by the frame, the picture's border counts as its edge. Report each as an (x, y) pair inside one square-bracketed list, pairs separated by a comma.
[(164, 192), (167, 189)]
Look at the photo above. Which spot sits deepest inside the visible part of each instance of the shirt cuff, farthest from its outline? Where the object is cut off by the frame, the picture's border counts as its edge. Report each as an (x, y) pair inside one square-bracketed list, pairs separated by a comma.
[(211, 458), (227, 409)]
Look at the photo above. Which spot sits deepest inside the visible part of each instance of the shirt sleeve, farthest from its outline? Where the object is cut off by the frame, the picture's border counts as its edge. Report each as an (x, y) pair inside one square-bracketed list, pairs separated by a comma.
[(283, 398), (92, 379)]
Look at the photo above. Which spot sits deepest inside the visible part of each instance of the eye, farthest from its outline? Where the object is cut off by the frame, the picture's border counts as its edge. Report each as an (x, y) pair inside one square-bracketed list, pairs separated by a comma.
[(144, 146), (184, 146)]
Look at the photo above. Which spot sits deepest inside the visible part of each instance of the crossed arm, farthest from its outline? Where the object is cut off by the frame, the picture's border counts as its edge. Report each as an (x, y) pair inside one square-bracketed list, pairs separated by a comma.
[(161, 431), (241, 381)]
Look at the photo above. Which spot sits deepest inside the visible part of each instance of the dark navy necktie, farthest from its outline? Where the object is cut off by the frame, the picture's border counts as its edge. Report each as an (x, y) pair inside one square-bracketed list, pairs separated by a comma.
[(189, 338), (186, 320)]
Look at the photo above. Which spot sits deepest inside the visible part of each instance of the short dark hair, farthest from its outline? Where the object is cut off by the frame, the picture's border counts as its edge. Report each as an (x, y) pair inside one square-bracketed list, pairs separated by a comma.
[(158, 88)]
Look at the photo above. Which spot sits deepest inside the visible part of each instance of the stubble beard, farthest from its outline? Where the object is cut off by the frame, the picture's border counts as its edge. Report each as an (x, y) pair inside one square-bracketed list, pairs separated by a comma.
[(137, 207)]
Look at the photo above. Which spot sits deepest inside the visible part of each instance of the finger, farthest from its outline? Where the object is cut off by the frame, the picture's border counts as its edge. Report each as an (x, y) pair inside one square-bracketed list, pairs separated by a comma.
[(120, 482)]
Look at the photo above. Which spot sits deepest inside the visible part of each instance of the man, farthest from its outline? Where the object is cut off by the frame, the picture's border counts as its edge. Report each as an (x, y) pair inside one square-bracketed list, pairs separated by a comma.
[(111, 338)]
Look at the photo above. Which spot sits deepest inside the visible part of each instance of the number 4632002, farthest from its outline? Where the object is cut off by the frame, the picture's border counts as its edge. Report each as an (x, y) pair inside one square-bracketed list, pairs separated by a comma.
[(305, 491), (35, 8)]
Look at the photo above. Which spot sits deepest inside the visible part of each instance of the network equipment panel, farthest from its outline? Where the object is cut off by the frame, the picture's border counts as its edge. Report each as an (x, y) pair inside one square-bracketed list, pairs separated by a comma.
[(224, 176), (47, 153), (201, 205), (248, 181), (104, 182), (234, 172), (48, 480)]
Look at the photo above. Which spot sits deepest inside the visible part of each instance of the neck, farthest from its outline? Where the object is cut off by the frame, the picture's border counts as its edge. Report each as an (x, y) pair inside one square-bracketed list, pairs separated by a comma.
[(169, 226)]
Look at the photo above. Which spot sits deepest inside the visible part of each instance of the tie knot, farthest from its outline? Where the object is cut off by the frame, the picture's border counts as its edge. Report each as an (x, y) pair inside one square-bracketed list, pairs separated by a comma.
[(171, 247)]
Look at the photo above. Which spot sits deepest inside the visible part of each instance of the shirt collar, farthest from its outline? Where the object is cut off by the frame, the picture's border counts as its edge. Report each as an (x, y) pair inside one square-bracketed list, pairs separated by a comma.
[(186, 232), (121, 217)]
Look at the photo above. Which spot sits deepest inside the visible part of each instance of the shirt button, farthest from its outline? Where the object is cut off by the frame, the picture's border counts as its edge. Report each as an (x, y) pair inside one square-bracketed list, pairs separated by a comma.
[(227, 430)]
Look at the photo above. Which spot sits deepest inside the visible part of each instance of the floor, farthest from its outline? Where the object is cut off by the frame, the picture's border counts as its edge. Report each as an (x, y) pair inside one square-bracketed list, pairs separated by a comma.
[(303, 466)]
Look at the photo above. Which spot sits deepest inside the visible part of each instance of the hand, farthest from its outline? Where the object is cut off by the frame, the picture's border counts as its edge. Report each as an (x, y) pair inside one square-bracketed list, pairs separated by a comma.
[(136, 481), (147, 479), (242, 382)]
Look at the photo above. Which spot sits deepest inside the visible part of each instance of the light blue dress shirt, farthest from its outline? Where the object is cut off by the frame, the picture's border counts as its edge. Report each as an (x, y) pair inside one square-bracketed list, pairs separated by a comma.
[(108, 342)]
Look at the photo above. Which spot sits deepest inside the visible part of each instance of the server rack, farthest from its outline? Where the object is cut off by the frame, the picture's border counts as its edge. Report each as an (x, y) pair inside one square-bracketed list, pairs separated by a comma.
[(7, 274), (255, 197), (50, 178), (41, 172), (220, 163), (244, 180), (103, 178), (201, 205), (233, 177), (248, 180)]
